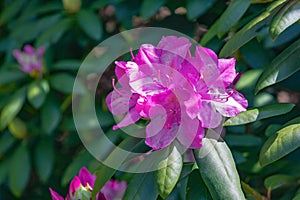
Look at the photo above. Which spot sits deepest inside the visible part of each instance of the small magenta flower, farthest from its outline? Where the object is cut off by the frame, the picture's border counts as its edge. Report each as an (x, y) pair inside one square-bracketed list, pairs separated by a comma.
[(81, 188), (179, 93), (30, 60)]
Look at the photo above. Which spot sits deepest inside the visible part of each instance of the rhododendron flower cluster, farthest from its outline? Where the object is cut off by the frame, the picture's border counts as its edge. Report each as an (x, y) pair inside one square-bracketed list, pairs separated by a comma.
[(180, 93), (31, 60), (81, 188)]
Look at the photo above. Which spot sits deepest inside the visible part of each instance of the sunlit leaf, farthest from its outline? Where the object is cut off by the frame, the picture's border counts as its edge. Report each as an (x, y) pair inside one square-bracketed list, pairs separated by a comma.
[(37, 92), (280, 144), (18, 128), (259, 113), (278, 180)]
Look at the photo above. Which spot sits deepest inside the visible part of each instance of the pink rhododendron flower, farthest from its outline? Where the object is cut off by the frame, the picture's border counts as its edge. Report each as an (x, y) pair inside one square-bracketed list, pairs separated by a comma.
[(81, 188), (181, 94), (31, 60)]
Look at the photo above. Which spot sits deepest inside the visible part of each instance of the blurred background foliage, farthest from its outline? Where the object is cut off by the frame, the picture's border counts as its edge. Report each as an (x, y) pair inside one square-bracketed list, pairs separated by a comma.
[(39, 145)]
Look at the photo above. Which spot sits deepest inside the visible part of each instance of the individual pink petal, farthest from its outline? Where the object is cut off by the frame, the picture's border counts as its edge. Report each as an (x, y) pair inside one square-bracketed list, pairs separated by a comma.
[(227, 71), (86, 177), (146, 55), (130, 118), (29, 49), (208, 52), (193, 105), (55, 195), (120, 101), (100, 196), (121, 74), (208, 116), (74, 185), (197, 142), (235, 104), (114, 190)]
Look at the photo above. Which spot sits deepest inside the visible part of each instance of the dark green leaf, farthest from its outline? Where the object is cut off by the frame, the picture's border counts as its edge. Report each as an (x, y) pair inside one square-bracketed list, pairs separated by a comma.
[(67, 65), (259, 113), (37, 92), (195, 8), (10, 11), (54, 32), (283, 66), (19, 170), (280, 144), (6, 141), (4, 166), (141, 186), (250, 30), (12, 108), (90, 23), (278, 180), (64, 83), (196, 188), (242, 140), (169, 171), (44, 159), (232, 14), (50, 116), (217, 169), (284, 18), (297, 195), (9, 76), (150, 7)]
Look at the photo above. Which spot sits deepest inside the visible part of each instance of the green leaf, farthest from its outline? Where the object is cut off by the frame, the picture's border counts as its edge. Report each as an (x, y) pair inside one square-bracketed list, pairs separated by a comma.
[(196, 188), (231, 15), (37, 92), (283, 66), (280, 144), (141, 186), (250, 30), (12, 9), (54, 32), (44, 159), (64, 83), (217, 168), (67, 65), (251, 192), (9, 76), (12, 108), (297, 195), (278, 180), (259, 113), (195, 8), (248, 79), (284, 18), (4, 166), (50, 116), (169, 171), (150, 7), (6, 141), (242, 140), (18, 128), (90, 23), (19, 170)]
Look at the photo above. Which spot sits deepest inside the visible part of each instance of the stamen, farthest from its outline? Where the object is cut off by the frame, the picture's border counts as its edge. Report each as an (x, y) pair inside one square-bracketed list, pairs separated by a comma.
[(131, 52), (115, 88)]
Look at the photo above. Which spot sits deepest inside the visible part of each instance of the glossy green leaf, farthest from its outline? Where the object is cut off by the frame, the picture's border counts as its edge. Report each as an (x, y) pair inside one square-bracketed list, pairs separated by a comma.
[(150, 7), (54, 32), (81, 159), (19, 170), (17, 128), (141, 186), (10, 11), (217, 169), (278, 180), (169, 171), (12, 108), (259, 113), (284, 18), (64, 83), (250, 30), (283, 66), (90, 23), (67, 65), (50, 116), (44, 159), (9, 76), (6, 141), (232, 14), (195, 8), (37, 92), (196, 188), (280, 144)]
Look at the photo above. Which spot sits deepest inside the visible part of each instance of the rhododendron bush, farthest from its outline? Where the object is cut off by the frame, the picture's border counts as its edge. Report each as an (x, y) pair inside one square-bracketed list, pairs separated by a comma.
[(132, 100)]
